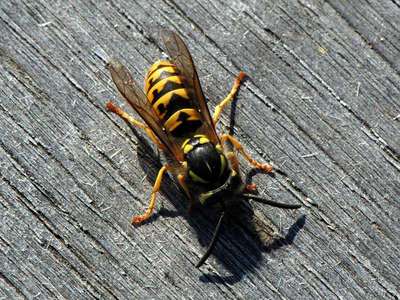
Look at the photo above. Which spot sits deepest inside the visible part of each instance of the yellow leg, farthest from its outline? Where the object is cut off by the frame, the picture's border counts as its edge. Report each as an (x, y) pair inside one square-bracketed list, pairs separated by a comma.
[(141, 218), (229, 98), (233, 160), (181, 180), (236, 144), (129, 119)]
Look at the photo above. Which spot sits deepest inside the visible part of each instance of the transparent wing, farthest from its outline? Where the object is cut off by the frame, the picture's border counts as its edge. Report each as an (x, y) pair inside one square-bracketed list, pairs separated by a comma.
[(134, 95), (180, 56)]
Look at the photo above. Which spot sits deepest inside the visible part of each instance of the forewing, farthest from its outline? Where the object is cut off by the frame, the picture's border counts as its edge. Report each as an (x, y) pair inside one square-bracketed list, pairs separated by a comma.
[(180, 56), (133, 94)]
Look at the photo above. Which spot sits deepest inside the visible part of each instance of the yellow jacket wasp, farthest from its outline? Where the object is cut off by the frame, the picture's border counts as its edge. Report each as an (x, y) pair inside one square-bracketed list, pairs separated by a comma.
[(177, 119)]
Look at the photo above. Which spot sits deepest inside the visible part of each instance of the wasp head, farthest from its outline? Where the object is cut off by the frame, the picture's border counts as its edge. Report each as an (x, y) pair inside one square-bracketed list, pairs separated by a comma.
[(208, 168), (206, 163)]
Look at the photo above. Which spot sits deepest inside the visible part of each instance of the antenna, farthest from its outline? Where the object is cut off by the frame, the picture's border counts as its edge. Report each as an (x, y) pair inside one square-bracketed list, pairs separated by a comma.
[(270, 202), (213, 241)]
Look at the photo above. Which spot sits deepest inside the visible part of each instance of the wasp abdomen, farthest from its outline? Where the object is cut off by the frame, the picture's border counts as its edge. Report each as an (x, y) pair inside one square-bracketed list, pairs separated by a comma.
[(172, 99)]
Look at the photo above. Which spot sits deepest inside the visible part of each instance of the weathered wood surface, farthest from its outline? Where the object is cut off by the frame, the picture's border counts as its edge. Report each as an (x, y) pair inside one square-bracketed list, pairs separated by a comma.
[(322, 104)]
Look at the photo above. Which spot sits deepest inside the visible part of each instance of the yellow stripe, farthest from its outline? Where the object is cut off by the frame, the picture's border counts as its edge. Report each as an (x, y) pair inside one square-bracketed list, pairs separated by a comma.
[(187, 148), (173, 122), (157, 65), (161, 84), (156, 74), (196, 178), (204, 140), (223, 164), (184, 143)]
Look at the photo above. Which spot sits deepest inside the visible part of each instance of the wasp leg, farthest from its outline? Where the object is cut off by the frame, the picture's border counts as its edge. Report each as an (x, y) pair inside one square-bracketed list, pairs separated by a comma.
[(236, 144), (141, 218), (233, 160), (111, 106), (251, 187), (229, 98), (182, 182)]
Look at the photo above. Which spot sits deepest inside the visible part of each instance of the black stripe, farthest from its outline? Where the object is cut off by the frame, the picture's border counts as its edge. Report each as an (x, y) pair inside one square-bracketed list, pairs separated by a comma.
[(186, 126), (176, 103)]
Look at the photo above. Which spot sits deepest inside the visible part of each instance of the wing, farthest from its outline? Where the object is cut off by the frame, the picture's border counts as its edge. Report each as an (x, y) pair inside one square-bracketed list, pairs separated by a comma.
[(180, 56), (130, 90)]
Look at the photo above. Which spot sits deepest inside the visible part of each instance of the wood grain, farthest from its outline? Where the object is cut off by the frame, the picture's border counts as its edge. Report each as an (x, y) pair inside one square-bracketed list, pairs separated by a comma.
[(322, 104)]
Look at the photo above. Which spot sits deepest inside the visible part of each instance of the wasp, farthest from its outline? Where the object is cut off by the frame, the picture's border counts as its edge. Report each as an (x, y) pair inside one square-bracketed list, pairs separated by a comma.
[(176, 118)]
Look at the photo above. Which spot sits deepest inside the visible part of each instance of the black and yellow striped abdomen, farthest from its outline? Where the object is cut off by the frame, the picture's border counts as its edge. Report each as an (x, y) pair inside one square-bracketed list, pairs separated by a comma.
[(172, 99)]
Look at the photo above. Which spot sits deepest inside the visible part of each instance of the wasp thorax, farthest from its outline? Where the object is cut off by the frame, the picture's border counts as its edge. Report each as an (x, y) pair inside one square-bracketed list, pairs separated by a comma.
[(206, 162)]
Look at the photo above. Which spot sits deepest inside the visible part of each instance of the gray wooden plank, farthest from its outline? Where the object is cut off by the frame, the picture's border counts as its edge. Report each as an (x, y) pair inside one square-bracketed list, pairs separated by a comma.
[(321, 104), (376, 23)]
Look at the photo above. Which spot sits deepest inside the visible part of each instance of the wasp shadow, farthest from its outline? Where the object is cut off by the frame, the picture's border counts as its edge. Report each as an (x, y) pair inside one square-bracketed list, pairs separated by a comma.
[(240, 245), (244, 239)]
